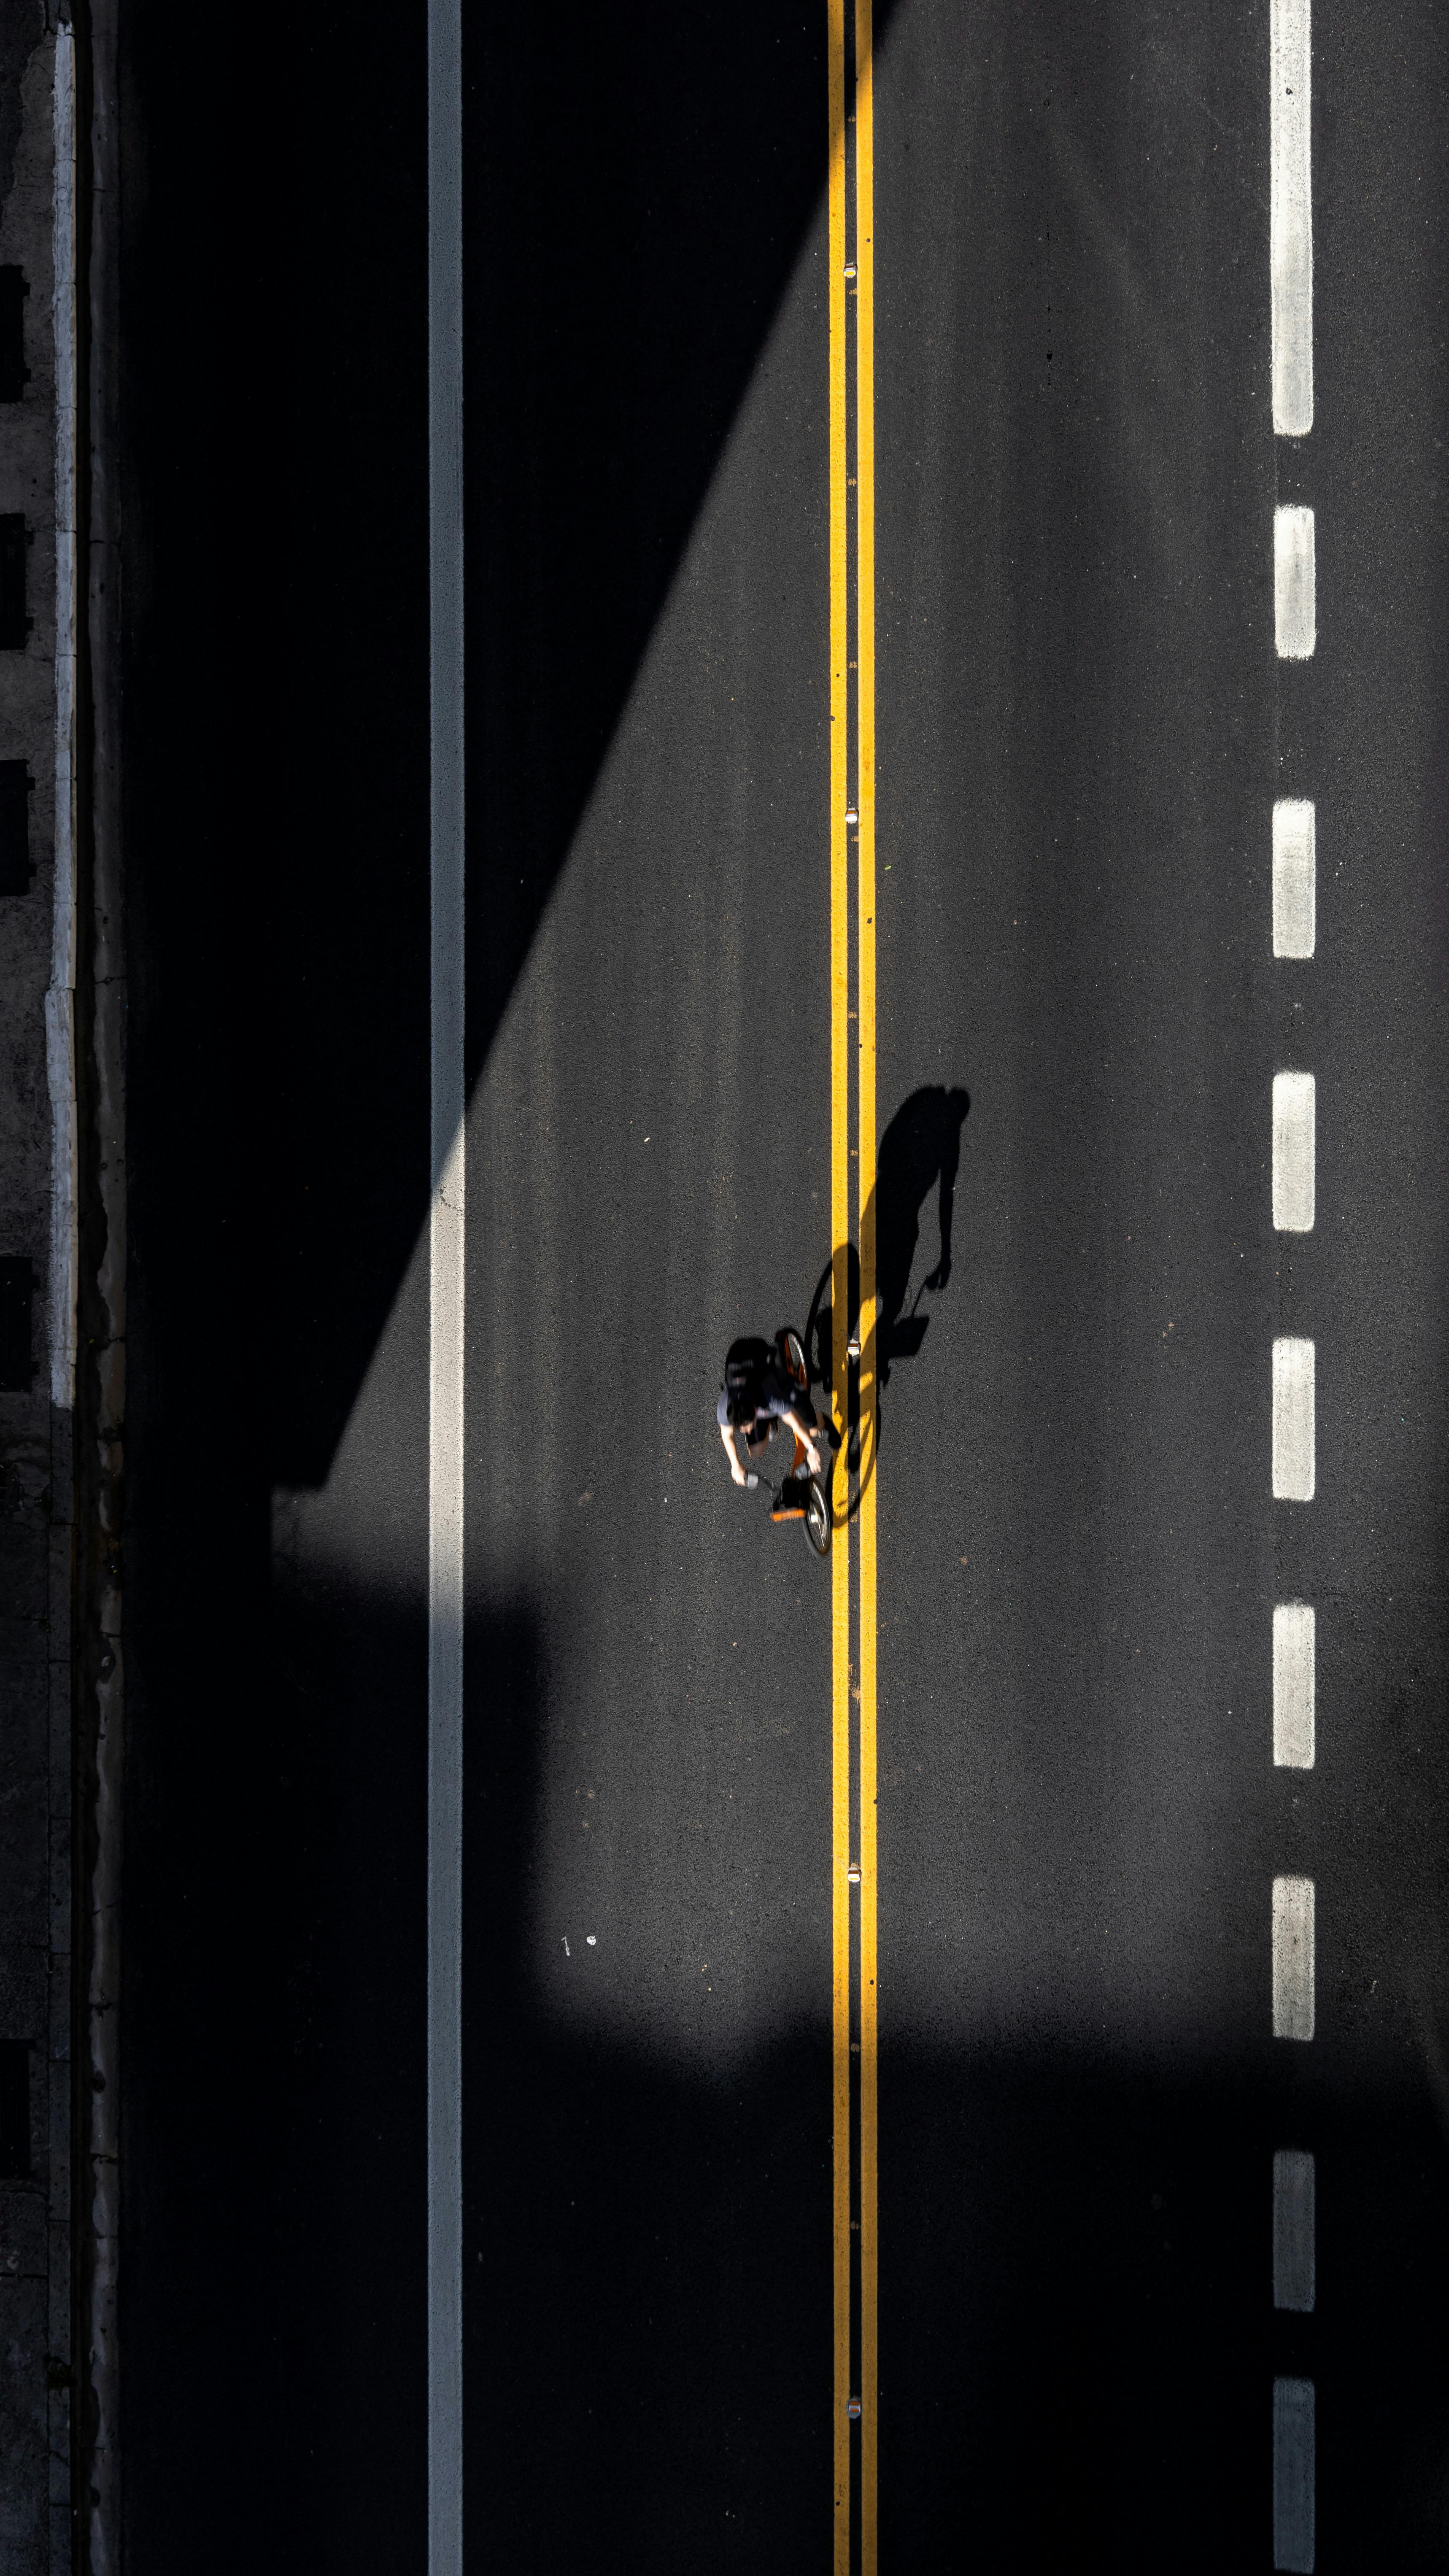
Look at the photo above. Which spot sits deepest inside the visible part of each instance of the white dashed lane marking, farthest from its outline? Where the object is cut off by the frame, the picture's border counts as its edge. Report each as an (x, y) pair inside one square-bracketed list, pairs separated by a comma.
[(1294, 1190), (1294, 1644), (1293, 1421), (1291, 220), (1294, 2230), (1293, 1152), (1293, 2475), (1294, 877), (1293, 1933), (1294, 604)]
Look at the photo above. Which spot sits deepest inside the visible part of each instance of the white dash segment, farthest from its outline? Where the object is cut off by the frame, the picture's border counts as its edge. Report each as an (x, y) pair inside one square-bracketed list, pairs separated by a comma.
[(1291, 216), (1293, 1414), (1294, 2475), (1294, 604), (1294, 1680), (1292, 1958), (1294, 2230), (1293, 1152), (1295, 877)]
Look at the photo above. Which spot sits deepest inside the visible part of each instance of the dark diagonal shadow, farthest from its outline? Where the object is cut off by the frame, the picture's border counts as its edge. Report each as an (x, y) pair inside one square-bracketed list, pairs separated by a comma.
[(638, 191)]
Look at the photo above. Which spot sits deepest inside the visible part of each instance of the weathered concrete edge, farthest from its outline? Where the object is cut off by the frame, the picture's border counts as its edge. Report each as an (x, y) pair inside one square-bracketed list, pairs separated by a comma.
[(100, 1378)]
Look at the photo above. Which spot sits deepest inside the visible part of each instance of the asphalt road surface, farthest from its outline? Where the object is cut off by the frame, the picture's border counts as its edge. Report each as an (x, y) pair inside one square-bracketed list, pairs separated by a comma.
[(1094, 2083)]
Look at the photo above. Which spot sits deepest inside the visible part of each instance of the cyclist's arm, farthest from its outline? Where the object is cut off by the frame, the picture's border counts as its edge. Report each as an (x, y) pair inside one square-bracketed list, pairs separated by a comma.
[(728, 1437)]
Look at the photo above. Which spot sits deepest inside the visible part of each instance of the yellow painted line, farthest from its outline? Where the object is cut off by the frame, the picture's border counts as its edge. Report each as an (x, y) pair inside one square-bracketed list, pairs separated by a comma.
[(839, 1296), (869, 1371)]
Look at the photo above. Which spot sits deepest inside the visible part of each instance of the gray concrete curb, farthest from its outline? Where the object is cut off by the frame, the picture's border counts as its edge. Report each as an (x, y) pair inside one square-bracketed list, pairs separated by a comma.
[(100, 1381), (38, 734)]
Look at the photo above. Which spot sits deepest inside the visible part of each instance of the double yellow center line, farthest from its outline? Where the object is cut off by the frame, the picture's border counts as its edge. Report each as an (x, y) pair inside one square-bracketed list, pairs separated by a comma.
[(853, 1293)]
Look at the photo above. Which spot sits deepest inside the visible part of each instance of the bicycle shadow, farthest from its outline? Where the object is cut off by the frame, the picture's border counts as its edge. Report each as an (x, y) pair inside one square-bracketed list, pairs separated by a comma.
[(919, 1152)]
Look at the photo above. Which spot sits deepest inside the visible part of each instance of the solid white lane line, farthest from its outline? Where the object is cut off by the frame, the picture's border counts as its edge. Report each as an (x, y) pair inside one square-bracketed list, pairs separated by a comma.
[(1294, 1656), (1293, 1935), (1291, 218), (446, 1298), (1293, 1421), (1294, 603), (1294, 877), (1295, 2261), (1293, 2475), (1293, 1152)]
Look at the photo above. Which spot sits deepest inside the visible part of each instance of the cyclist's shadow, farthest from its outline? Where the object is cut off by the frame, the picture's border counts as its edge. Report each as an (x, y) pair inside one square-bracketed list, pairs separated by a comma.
[(919, 1151)]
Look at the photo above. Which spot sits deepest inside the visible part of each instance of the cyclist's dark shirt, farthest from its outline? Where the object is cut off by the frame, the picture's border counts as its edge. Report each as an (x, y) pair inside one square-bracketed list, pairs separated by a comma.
[(774, 1398)]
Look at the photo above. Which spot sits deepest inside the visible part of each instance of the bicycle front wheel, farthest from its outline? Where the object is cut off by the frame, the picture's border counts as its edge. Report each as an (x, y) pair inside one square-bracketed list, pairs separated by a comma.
[(817, 1519), (795, 1360)]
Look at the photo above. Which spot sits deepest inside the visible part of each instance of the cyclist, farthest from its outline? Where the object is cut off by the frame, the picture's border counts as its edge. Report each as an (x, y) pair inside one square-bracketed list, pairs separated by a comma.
[(756, 1395)]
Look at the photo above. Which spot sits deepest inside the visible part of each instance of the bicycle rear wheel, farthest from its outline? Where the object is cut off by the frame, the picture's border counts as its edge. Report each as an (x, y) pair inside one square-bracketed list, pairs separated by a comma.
[(817, 1518)]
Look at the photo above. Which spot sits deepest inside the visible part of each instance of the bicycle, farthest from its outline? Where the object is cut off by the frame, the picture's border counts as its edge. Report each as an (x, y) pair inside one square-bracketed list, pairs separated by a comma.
[(802, 1496)]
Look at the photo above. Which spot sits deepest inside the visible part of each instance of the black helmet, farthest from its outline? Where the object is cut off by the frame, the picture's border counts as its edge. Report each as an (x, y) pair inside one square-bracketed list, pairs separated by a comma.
[(744, 1377)]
